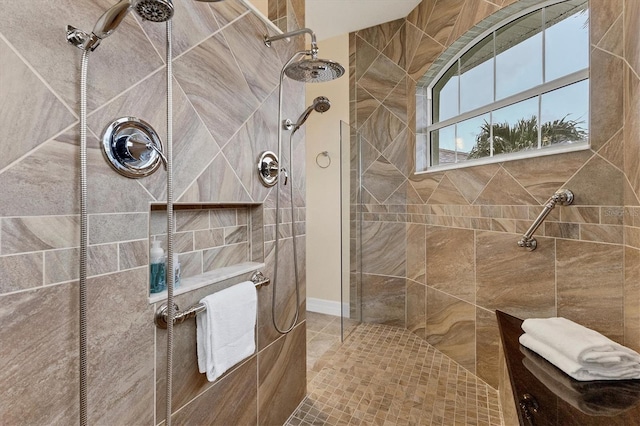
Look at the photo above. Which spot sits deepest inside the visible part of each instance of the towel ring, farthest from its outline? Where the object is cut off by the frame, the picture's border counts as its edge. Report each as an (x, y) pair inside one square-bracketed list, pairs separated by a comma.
[(326, 154)]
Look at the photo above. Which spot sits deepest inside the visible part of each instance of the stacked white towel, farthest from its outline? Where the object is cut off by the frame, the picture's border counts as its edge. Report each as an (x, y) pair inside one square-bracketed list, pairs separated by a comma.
[(582, 353), (225, 332)]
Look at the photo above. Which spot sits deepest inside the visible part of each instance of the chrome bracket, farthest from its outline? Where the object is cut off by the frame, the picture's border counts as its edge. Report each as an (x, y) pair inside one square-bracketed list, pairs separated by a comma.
[(82, 39)]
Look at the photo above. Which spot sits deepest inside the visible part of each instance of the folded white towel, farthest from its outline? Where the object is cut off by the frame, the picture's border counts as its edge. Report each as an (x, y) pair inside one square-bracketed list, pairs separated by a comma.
[(579, 371), (225, 332), (582, 353)]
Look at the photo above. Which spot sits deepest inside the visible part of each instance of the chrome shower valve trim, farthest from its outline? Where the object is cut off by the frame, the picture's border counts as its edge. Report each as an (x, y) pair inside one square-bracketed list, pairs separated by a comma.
[(269, 169), (132, 147)]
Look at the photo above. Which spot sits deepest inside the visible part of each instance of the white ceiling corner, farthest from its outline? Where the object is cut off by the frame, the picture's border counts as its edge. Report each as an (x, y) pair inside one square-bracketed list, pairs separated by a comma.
[(330, 18)]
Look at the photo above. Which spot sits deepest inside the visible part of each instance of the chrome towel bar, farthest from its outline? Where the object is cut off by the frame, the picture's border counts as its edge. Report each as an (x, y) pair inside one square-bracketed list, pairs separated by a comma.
[(257, 278), (562, 196)]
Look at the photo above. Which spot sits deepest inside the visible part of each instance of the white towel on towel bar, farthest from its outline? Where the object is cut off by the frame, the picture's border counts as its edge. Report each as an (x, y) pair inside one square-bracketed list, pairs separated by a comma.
[(225, 331), (582, 353)]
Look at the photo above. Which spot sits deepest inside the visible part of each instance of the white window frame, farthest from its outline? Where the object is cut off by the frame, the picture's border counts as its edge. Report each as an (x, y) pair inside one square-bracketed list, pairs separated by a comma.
[(538, 91)]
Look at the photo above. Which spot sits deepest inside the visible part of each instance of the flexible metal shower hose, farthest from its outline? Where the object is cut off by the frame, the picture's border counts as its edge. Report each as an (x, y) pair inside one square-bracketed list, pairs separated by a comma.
[(82, 286), (293, 221), (84, 236), (170, 225)]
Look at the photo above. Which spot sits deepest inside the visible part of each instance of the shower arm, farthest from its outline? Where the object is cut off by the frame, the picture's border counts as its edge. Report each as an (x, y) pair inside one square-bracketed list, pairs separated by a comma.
[(562, 196), (314, 46)]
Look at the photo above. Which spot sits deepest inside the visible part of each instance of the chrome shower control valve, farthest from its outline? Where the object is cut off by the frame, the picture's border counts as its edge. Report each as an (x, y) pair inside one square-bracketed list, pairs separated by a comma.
[(132, 147), (269, 168)]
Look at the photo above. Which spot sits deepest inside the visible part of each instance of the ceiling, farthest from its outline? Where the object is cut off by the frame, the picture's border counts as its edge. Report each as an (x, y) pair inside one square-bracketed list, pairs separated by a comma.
[(329, 18)]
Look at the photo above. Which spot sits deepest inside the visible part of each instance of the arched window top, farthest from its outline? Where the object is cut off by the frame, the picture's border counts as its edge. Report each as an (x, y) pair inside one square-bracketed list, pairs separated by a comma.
[(518, 88)]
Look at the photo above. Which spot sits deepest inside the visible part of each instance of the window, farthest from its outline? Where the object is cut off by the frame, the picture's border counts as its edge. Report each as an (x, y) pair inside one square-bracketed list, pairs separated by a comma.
[(520, 89)]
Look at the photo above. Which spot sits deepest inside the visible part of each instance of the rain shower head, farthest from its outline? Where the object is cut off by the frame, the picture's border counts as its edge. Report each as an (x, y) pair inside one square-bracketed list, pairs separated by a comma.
[(314, 70), (320, 104), (311, 70), (150, 10)]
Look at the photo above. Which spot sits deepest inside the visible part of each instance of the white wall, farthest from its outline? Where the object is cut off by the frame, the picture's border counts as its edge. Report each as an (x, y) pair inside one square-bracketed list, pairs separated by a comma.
[(323, 185), (262, 6)]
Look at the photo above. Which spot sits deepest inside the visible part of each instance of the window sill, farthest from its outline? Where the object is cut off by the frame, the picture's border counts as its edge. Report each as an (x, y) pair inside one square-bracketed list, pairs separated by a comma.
[(502, 158)]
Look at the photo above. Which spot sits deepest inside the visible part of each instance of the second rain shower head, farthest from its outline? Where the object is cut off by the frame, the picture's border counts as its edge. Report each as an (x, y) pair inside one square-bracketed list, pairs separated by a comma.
[(311, 70), (320, 104), (150, 10), (314, 70)]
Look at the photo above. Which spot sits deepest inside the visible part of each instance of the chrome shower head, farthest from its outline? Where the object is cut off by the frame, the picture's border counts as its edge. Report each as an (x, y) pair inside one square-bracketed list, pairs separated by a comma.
[(154, 10), (314, 70), (150, 10), (320, 104)]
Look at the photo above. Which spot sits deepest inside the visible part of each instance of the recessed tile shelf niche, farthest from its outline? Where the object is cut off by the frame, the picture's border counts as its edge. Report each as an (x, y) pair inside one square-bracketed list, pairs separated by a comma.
[(214, 242)]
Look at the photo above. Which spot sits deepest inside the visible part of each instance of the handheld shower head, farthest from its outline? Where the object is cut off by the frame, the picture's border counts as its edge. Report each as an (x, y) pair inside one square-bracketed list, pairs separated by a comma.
[(320, 104), (154, 10), (150, 10), (110, 20)]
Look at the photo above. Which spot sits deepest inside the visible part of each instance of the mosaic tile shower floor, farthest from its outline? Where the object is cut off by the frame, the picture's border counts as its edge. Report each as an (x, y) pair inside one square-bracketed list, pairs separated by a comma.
[(384, 375)]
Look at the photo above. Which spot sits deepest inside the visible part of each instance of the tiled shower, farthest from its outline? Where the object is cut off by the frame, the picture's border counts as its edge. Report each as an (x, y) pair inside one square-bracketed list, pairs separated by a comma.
[(439, 250), (225, 111)]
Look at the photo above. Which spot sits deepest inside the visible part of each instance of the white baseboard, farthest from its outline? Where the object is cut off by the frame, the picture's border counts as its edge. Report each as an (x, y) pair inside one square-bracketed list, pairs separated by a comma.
[(327, 307)]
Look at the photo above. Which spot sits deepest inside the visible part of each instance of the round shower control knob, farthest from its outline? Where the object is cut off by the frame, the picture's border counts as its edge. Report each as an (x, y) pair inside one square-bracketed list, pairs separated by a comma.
[(268, 168), (132, 147)]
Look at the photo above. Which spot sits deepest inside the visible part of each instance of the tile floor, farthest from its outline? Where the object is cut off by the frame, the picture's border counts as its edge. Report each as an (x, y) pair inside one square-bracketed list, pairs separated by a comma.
[(384, 375)]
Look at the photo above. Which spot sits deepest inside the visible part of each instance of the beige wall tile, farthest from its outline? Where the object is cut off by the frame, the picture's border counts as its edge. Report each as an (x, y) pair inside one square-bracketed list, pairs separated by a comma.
[(192, 71), (27, 234), (451, 327), (120, 344), (40, 327), (632, 298), (280, 367), (590, 285), (416, 308), (379, 36), (20, 272), (487, 347), (503, 189), (232, 400), (442, 20), (606, 117), (117, 227), (451, 261), (416, 253), (26, 100), (383, 300), (388, 238), (133, 254), (515, 280)]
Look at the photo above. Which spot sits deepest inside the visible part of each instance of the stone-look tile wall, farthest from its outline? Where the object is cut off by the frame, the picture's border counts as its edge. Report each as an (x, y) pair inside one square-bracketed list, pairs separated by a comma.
[(458, 260), (225, 112)]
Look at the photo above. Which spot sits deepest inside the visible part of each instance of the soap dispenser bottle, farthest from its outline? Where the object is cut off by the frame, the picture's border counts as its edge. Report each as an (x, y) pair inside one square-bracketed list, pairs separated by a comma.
[(157, 273), (176, 271)]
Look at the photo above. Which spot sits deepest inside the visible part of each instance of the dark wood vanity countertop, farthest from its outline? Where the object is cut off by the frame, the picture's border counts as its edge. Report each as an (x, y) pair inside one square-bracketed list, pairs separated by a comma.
[(544, 395)]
